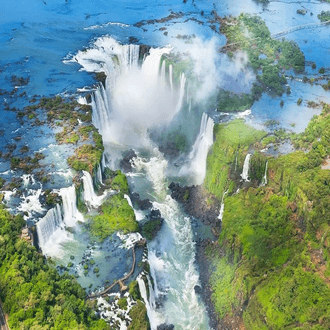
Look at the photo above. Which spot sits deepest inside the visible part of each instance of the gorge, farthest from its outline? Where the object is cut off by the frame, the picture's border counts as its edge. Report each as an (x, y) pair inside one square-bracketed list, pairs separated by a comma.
[(186, 126)]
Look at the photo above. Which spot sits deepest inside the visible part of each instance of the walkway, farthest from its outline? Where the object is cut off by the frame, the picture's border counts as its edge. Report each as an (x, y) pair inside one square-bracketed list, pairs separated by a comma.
[(142, 242)]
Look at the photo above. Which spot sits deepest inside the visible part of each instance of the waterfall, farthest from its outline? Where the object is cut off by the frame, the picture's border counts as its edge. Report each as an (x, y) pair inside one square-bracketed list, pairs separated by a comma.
[(264, 179), (70, 212), (222, 207), (48, 224), (170, 69), (138, 214), (245, 172), (132, 91), (51, 228), (198, 155), (99, 174), (91, 199), (155, 318)]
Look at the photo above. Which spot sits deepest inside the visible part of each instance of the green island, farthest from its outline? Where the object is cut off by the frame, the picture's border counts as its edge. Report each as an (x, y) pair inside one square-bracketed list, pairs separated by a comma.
[(270, 265), (268, 57)]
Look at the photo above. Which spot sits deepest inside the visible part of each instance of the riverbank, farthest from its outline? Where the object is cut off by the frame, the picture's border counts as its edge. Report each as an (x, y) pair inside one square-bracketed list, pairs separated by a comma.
[(274, 236)]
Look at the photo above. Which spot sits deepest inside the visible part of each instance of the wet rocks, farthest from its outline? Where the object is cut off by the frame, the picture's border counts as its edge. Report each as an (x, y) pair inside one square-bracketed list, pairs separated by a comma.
[(197, 202), (165, 326), (142, 204), (170, 150), (126, 163)]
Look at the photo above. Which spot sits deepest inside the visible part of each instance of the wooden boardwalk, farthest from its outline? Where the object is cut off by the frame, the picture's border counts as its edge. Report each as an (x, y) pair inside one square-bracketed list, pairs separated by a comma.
[(142, 242)]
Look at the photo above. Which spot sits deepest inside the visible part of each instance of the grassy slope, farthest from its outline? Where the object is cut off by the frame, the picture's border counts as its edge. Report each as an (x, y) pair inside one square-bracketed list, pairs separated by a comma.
[(277, 240)]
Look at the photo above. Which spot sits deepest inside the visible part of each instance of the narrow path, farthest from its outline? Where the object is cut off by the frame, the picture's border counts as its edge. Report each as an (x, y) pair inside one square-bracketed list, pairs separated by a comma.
[(3, 321), (142, 242)]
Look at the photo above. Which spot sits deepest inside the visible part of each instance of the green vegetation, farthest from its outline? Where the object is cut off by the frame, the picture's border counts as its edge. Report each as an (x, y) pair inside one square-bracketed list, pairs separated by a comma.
[(276, 239), (122, 303), (86, 158), (34, 295), (116, 214), (232, 141), (151, 228), (250, 34), (117, 180), (324, 16), (138, 313), (228, 102)]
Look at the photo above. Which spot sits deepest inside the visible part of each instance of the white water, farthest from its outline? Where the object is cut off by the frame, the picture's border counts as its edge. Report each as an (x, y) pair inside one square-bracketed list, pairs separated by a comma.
[(198, 155), (155, 318), (99, 174), (264, 179), (137, 98), (51, 232), (138, 214), (51, 228), (245, 172), (222, 207), (71, 215), (31, 203), (172, 259), (91, 199)]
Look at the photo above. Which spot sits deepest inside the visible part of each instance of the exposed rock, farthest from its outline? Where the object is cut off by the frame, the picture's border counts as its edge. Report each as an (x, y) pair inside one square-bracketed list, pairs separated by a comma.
[(170, 150), (143, 204), (198, 289), (143, 51), (197, 202), (126, 162), (165, 327), (133, 40)]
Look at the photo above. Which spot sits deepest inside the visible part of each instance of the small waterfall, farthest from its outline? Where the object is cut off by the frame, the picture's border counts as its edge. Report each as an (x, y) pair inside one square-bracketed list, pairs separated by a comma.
[(103, 162), (138, 214), (264, 179), (245, 172), (200, 150), (48, 225), (91, 199), (155, 318), (70, 212), (170, 72), (99, 174), (222, 207)]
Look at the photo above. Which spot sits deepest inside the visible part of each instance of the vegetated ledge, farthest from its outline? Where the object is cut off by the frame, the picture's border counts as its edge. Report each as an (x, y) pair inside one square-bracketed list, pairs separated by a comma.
[(269, 268), (34, 295), (272, 57)]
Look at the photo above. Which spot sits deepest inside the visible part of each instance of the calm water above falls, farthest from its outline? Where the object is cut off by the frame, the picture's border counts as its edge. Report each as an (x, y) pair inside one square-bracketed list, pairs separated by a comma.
[(39, 40)]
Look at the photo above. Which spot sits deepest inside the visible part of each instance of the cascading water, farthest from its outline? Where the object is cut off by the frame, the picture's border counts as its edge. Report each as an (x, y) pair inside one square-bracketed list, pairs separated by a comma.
[(70, 212), (198, 155), (222, 207), (137, 98), (172, 260), (91, 199), (264, 179), (245, 172), (51, 228)]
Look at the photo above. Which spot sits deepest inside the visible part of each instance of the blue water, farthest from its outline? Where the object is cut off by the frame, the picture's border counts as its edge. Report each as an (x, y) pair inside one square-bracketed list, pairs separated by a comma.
[(37, 36)]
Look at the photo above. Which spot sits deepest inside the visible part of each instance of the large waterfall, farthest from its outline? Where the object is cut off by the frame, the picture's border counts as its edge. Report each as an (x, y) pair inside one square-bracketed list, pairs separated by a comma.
[(141, 94), (135, 96), (198, 155)]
